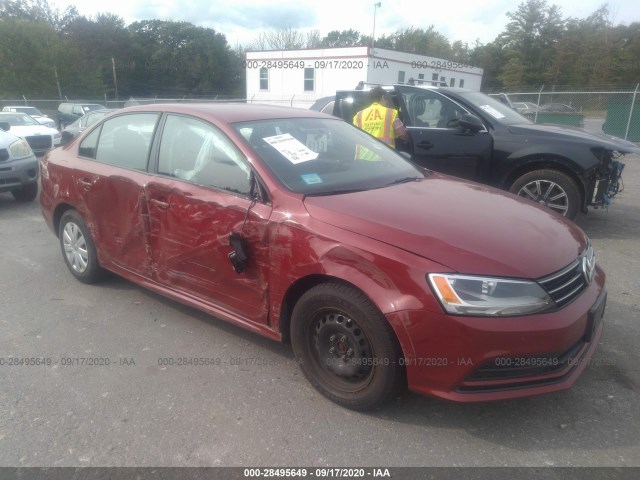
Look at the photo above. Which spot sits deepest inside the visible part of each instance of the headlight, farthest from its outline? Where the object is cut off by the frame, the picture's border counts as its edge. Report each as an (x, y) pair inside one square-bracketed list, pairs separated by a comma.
[(57, 135), (20, 148), (471, 295)]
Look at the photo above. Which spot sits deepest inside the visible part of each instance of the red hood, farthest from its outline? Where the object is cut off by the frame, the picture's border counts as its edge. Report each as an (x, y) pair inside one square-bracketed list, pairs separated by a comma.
[(465, 226)]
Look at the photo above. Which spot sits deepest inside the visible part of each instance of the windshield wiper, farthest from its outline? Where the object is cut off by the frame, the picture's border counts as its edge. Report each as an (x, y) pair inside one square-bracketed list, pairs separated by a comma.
[(336, 192), (403, 180)]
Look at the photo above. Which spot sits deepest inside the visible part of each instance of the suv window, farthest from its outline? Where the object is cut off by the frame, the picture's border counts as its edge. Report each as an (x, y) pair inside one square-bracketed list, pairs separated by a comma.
[(429, 109), (197, 152)]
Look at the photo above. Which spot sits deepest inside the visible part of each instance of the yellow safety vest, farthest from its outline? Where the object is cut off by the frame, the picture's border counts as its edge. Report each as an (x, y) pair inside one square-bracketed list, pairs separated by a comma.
[(378, 121)]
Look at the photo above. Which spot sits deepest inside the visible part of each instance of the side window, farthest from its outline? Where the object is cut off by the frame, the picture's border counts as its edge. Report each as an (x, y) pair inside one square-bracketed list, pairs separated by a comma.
[(199, 153), (89, 145), (428, 109), (264, 79), (125, 140)]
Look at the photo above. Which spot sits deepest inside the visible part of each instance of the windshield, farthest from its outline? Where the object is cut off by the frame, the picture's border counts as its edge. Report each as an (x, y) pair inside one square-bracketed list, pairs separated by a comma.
[(494, 109), (18, 119), (29, 110), (317, 156)]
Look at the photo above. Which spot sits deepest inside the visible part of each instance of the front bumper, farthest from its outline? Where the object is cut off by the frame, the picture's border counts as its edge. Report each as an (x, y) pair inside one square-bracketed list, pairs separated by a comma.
[(472, 359), (16, 173)]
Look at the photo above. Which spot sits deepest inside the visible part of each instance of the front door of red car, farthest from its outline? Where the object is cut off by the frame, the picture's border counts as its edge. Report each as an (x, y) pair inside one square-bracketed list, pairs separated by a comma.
[(110, 176), (200, 197)]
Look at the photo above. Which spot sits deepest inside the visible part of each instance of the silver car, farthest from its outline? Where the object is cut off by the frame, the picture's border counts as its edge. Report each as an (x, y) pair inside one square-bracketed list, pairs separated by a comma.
[(18, 167)]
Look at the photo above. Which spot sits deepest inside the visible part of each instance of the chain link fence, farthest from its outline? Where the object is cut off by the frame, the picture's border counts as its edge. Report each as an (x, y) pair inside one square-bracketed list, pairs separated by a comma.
[(50, 107), (612, 111)]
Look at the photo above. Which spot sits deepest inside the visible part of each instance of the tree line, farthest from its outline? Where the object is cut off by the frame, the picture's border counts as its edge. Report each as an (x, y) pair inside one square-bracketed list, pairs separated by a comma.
[(48, 53)]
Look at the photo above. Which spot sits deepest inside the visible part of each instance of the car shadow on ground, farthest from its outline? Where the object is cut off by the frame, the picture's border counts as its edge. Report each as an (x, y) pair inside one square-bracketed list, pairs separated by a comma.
[(584, 415)]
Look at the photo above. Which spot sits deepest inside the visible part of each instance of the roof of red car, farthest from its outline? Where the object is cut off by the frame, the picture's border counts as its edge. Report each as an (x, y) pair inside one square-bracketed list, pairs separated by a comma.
[(229, 112)]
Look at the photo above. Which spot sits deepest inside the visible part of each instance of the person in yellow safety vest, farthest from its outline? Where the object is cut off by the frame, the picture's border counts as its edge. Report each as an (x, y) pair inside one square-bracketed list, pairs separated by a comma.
[(380, 120)]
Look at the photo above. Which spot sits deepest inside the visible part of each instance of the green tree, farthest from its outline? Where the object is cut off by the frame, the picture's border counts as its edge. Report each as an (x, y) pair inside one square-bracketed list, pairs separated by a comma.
[(343, 38), (533, 31)]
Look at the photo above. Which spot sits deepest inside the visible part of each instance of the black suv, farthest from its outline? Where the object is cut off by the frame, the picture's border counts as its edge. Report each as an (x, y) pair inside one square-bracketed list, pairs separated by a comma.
[(471, 135)]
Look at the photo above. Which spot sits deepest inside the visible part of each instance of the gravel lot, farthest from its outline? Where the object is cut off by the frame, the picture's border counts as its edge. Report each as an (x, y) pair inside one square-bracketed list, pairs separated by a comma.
[(262, 412)]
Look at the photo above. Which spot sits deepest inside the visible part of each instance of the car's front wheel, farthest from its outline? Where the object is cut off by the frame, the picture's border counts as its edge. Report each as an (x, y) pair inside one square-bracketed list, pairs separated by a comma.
[(551, 188), (26, 193), (345, 346), (78, 249)]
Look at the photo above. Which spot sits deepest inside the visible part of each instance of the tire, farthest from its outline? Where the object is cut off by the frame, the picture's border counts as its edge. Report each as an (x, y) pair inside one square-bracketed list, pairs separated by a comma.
[(345, 347), (550, 188), (26, 193), (78, 249)]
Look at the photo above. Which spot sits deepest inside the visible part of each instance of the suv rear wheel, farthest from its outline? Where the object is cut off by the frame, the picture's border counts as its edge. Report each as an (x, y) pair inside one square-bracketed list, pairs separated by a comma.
[(550, 188)]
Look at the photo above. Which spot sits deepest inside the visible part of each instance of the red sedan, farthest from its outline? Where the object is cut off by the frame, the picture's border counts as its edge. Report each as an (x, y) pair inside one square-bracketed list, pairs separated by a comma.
[(300, 227)]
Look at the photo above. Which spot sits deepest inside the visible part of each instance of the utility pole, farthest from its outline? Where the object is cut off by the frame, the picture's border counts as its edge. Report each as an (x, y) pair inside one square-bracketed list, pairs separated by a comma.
[(115, 79)]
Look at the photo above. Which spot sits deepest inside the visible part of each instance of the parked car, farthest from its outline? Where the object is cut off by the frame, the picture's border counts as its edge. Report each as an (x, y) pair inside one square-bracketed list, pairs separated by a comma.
[(471, 135), (525, 107), (83, 122), (378, 272), (70, 112), (39, 137), (34, 113), (557, 107), (324, 104), (18, 166)]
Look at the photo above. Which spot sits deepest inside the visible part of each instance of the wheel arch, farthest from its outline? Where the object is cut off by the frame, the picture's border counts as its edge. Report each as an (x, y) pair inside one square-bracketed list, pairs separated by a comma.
[(546, 162), (302, 285), (59, 211)]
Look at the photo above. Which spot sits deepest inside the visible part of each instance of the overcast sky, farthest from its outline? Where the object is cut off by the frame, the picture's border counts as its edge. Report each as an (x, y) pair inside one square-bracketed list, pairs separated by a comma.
[(241, 20)]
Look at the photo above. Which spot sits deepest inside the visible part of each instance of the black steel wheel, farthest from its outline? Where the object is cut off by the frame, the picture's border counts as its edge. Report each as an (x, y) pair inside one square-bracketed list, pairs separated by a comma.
[(345, 346)]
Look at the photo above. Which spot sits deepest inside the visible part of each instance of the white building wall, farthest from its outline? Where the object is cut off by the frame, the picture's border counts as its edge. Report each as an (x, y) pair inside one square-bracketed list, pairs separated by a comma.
[(385, 66), (334, 69), (343, 68)]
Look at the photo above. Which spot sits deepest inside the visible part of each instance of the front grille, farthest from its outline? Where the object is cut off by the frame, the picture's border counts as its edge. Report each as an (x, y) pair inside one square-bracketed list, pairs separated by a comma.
[(39, 142), (508, 373), (568, 283), (4, 154)]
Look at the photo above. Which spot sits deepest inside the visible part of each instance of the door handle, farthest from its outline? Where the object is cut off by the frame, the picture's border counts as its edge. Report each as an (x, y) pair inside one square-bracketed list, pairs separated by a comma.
[(426, 145), (86, 184), (159, 203)]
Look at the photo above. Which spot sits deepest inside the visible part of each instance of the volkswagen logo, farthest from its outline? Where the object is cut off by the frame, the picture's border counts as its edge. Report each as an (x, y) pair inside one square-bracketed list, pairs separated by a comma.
[(589, 265)]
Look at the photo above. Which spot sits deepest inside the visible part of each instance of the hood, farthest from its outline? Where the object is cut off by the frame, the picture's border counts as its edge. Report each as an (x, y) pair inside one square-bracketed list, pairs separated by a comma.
[(559, 132), (6, 139), (462, 225), (29, 130)]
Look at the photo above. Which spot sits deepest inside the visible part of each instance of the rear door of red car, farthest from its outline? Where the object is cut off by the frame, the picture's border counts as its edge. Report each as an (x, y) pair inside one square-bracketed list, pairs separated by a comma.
[(200, 195), (109, 176)]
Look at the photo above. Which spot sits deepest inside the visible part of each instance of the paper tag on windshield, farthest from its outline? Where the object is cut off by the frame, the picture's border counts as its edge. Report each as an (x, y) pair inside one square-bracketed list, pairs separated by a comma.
[(291, 148), (491, 111)]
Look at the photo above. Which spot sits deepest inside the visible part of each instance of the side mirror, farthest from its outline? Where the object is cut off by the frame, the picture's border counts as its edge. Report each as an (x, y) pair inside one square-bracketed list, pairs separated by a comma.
[(5, 126), (470, 122), (66, 137)]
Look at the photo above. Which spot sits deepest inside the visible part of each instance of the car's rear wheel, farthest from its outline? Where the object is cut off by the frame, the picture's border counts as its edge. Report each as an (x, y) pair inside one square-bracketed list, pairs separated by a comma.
[(78, 249), (26, 193), (345, 346), (551, 188)]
